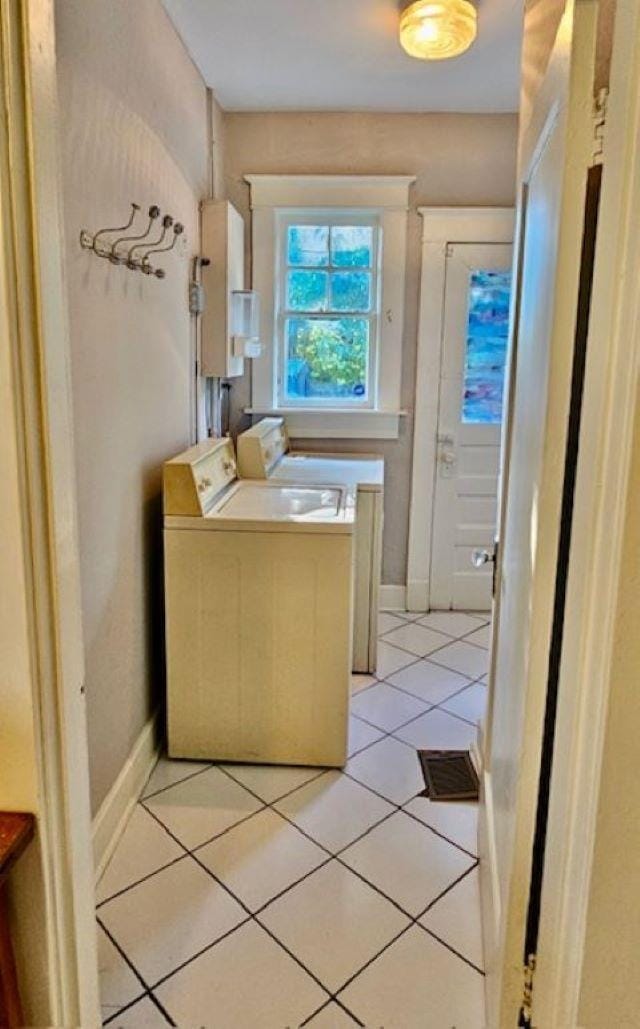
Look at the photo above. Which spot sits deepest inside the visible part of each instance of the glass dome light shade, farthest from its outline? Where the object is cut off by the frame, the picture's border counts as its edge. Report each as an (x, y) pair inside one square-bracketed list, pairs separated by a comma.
[(434, 30)]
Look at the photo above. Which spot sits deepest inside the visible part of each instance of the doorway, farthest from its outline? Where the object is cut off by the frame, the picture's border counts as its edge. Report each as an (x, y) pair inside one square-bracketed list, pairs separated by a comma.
[(462, 346), (472, 371)]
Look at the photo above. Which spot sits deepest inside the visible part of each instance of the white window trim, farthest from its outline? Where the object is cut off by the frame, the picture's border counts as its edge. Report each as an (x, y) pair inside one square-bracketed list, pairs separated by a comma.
[(441, 226), (385, 196)]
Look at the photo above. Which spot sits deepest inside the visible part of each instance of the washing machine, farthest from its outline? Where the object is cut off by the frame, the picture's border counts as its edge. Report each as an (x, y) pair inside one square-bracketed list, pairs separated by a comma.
[(258, 595), (264, 453)]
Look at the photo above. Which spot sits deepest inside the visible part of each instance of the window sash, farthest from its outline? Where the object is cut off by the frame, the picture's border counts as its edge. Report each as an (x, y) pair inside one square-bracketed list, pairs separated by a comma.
[(283, 313)]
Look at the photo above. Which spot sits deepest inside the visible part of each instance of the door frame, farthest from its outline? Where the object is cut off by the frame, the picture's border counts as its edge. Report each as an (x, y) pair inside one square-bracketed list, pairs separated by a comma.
[(41, 483), (442, 226), (606, 440)]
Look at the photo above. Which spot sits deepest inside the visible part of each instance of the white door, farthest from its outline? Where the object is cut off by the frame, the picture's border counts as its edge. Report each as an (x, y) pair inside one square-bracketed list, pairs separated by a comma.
[(555, 154), (474, 349)]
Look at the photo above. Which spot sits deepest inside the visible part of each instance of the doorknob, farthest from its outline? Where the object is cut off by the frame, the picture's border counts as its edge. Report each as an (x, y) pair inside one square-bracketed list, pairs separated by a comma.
[(446, 455), (482, 557)]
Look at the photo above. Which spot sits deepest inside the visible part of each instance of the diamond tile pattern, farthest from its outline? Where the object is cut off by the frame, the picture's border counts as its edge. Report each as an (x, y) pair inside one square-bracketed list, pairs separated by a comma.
[(278, 896)]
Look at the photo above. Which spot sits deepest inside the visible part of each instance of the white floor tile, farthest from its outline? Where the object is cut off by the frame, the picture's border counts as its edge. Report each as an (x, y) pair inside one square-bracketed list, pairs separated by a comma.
[(438, 730), (452, 623), (334, 923), (245, 981), (118, 985), (457, 820), (168, 772), (197, 809), (470, 703), (415, 984), (407, 861), (143, 848), (388, 621), (361, 735), (168, 918), (390, 768), (143, 1015), (390, 659), (430, 683), (386, 707), (455, 918), (361, 682), (334, 810), (417, 639), (261, 857), (464, 658), (481, 637), (270, 782)]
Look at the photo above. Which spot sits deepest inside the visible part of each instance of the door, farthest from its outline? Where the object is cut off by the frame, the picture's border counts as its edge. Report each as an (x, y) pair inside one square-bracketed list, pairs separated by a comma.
[(474, 350), (555, 154)]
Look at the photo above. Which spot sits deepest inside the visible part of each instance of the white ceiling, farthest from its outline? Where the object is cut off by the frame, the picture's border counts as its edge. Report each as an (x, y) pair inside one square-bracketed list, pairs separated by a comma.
[(328, 55)]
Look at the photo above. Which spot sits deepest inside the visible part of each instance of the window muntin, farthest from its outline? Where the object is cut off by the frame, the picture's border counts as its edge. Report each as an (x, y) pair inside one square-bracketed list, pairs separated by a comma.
[(327, 310)]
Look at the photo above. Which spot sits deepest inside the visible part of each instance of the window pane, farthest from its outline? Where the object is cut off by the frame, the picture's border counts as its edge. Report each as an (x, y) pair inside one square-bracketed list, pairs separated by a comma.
[(351, 246), (487, 335), (308, 245), (327, 358), (307, 291), (350, 291)]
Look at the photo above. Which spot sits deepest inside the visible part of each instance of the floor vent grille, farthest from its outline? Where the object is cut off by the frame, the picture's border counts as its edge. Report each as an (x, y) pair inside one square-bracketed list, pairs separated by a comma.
[(449, 775)]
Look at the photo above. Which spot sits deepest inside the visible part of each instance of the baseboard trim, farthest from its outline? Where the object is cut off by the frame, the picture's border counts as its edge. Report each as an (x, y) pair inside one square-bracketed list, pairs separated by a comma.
[(393, 598), (115, 810)]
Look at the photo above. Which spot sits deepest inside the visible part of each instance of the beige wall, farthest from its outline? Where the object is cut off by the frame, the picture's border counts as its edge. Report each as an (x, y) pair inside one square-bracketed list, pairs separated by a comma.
[(135, 127), (458, 160), (610, 992)]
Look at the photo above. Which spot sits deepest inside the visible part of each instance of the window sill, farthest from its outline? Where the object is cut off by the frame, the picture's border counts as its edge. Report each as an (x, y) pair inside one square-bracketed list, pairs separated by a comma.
[(336, 423)]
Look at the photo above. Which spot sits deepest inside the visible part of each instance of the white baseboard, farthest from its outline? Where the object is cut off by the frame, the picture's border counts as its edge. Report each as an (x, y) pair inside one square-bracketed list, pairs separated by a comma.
[(393, 598), (115, 810)]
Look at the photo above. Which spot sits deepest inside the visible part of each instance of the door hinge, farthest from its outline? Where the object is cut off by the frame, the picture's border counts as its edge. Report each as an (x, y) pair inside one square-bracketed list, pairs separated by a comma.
[(599, 124), (448, 250), (526, 1010)]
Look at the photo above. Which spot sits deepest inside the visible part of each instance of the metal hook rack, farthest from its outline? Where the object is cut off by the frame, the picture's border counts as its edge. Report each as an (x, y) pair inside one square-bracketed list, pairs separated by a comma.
[(111, 249)]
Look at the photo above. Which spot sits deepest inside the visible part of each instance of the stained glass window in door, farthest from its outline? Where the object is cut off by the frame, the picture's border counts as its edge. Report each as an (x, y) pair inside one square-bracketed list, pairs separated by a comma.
[(486, 347)]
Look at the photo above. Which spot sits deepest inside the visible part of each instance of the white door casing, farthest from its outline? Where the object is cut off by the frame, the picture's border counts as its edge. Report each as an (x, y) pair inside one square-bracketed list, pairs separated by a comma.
[(468, 452), (41, 482), (555, 154), (442, 226)]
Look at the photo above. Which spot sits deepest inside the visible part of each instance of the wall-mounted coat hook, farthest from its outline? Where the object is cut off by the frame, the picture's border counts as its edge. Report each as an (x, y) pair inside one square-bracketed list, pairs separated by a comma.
[(160, 273), (89, 240), (114, 256), (135, 264)]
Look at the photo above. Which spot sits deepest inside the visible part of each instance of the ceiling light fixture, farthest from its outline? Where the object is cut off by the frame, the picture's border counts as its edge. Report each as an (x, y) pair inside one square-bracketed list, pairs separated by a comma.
[(434, 30)]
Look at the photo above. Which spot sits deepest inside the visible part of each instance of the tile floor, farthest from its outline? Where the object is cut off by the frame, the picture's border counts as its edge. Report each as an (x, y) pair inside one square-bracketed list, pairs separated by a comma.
[(247, 897)]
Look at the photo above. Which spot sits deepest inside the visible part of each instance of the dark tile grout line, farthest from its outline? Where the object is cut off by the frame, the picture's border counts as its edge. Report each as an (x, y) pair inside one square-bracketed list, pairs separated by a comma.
[(413, 923), (147, 989), (252, 916), (440, 632), (331, 856)]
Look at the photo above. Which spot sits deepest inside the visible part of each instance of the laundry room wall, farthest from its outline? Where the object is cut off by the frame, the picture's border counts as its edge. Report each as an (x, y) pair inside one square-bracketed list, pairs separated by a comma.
[(135, 127), (458, 159)]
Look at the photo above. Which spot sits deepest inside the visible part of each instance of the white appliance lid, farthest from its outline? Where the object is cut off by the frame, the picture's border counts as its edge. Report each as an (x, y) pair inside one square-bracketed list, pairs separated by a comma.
[(344, 471), (280, 503)]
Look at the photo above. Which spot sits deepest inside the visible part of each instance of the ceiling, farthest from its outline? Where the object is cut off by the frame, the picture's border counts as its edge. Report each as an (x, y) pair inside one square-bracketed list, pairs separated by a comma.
[(344, 55)]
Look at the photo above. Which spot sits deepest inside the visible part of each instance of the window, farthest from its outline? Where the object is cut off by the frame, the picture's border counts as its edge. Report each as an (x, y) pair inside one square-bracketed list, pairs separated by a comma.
[(329, 254), (327, 323), (486, 348)]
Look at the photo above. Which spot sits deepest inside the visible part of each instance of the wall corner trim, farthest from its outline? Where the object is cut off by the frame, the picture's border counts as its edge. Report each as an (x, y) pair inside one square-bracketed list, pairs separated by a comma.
[(113, 814)]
